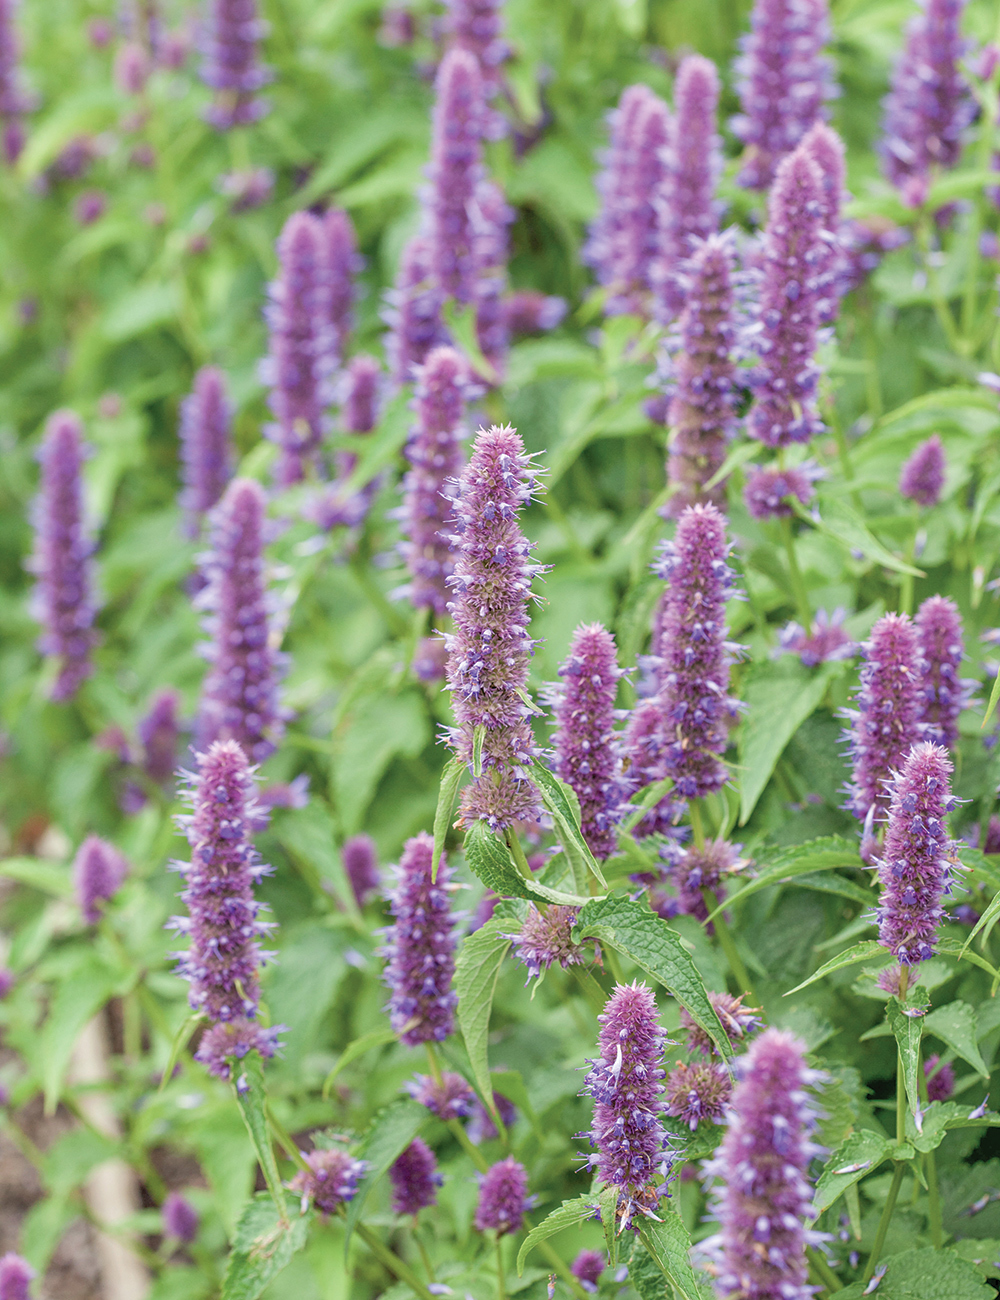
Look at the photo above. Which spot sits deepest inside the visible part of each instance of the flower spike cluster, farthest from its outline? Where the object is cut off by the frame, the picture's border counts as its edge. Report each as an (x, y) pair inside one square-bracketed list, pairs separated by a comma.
[(16, 1275), (158, 733), (546, 938), (205, 433), (477, 26), (415, 1179), (825, 147), (331, 1179), (768, 492), (491, 215), (922, 476), (14, 102), (412, 312), (503, 1198), (230, 64), (943, 693), (98, 871), (343, 263), (488, 652), (697, 1093), (738, 1021), (826, 640), (360, 859)]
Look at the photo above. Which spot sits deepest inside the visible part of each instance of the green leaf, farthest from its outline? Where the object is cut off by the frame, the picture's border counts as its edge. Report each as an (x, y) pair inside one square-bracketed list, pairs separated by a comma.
[(926, 1274), (267, 1236), (377, 1038), (39, 874), (814, 855), (737, 457), (670, 1246), (841, 521), (641, 805), (382, 727), (178, 1046), (476, 973), (983, 1252), (562, 803), (866, 1148), (489, 857), (868, 950), (567, 1215), (451, 779), (630, 926), (461, 323), (952, 948), (955, 1024), (607, 1200), (82, 991), (990, 917), (646, 1275), (392, 1130), (252, 1100), (907, 1030), (994, 696), (381, 447), (478, 736)]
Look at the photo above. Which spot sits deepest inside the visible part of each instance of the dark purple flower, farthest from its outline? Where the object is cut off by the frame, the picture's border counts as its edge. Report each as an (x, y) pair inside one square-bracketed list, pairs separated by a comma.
[(89, 206), (693, 870), (180, 1218), (738, 1021), (14, 102), (239, 698), (360, 859), (15, 1277), (490, 218), (784, 81), (527, 311), (785, 378), (943, 693), (922, 476), (992, 844), (413, 312), (131, 68), (688, 210), (63, 601), (965, 913), (223, 959), (915, 866), (415, 1179), (930, 103), (503, 1198), (488, 652), (435, 455), (230, 64), (158, 733), (763, 1162), (450, 1099), (98, 871), (626, 1084), (420, 947), (343, 263), (331, 1179), (584, 741), (206, 445), (480, 1127), (825, 147), (698, 1093), (825, 641), (544, 939), (940, 1079), (588, 1267), (767, 491), (477, 26)]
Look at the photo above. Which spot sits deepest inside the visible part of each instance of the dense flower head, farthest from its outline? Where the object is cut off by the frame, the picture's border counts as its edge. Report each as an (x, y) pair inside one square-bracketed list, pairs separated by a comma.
[(826, 640), (764, 1161), (477, 26), (413, 312), (14, 101), (98, 871), (943, 693), (480, 1127), (768, 491), (359, 388), (940, 1078), (449, 1099), (415, 1179), (343, 263), (223, 916), (491, 215), (886, 719), (545, 938), (688, 211), (626, 1083), (331, 1179), (693, 870), (503, 1198), (206, 445), (15, 1277), (230, 64), (90, 206), (360, 409), (785, 378), (922, 476), (488, 652), (528, 311), (693, 698), (738, 1021), (240, 693), (697, 1093), (916, 862), (825, 147), (784, 83), (180, 1218), (584, 742), (158, 734), (588, 1267), (63, 598), (420, 947), (360, 859), (930, 102)]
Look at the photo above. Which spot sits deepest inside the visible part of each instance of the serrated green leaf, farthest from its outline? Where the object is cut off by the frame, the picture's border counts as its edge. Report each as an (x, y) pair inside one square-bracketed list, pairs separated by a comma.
[(476, 973), (562, 803), (489, 857), (841, 521), (670, 1246), (607, 1201), (646, 1275), (814, 855), (926, 1274), (866, 1148), (567, 1215), (451, 779), (391, 1132), (907, 1031), (267, 1236), (955, 1024), (377, 1038), (252, 1100), (868, 950)]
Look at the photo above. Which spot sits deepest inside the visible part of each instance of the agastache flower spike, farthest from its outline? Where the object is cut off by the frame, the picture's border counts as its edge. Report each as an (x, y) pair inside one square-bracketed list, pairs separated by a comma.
[(489, 650), (360, 390), (827, 639), (205, 433), (503, 1198), (694, 869), (420, 947), (943, 694), (343, 264), (768, 491), (412, 312), (158, 732), (63, 600), (449, 1099), (825, 147), (477, 26), (230, 65), (180, 1218), (922, 476), (98, 871), (491, 217), (916, 861), (588, 1267), (360, 859), (737, 1020), (546, 938), (784, 82), (14, 102), (940, 1079), (626, 1084), (15, 1277), (784, 380), (415, 1179), (240, 693), (331, 1179), (697, 1093), (223, 924)]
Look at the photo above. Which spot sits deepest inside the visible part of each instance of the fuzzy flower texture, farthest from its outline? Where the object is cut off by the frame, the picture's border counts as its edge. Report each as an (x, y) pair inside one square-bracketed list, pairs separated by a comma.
[(503, 1198), (545, 938), (205, 445), (331, 1179), (98, 871), (230, 66), (415, 1179)]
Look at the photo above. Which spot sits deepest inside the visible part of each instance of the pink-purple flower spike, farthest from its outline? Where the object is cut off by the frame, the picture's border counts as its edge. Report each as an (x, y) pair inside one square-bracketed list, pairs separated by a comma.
[(206, 452), (415, 1179), (230, 64), (343, 264), (158, 734), (943, 694), (503, 1198), (14, 102), (15, 1277), (768, 492), (98, 871), (825, 147), (180, 1218), (491, 217), (331, 1179), (477, 26), (360, 859), (922, 476), (413, 312)]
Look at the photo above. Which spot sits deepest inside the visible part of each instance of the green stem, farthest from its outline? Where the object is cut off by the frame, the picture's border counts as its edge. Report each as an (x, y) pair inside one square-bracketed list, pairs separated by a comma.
[(883, 1223), (906, 585), (697, 824), (592, 990), (941, 308), (799, 592), (501, 1289), (423, 1251), (934, 1202), (823, 1270), (517, 853), (392, 1262), (471, 1150), (728, 945)]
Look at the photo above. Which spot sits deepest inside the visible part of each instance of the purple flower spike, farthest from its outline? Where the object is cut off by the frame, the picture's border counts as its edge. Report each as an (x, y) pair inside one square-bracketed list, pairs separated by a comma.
[(693, 870), (415, 1179), (14, 102), (940, 1080), (477, 26), (240, 693), (688, 211), (922, 476), (930, 103), (360, 410), (450, 1099), (825, 147), (413, 312), (763, 1162), (63, 600), (420, 948), (914, 869), (343, 263), (480, 1127), (331, 1180), (693, 699), (158, 733), (702, 412), (588, 1267), (503, 1198), (785, 378), (545, 938), (230, 66), (491, 217), (526, 311), (456, 168), (827, 640), (15, 1277), (206, 445), (738, 1021), (489, 650), (885, 722), (944, 694), (180, 1218), (98, 871), (222, 921), (585, 743), (301, 353), (360, 859), (626, 1084), (767, 491), (697, 1093), (784, 81), (435, 456)]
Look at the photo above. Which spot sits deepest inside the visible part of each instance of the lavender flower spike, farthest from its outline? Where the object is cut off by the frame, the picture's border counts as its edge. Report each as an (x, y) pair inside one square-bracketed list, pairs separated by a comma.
[(546, 938), (415, 1179), (15, 1277), (785, 378), (784, 82), (489, 650), (915, 866), (206, 435), (828, 639), (688, 210), (158, 733), (224, 956), (585, 743), (503, 1198), (626, 1084), (477, 26), (697, 1093), (922, 476), (360, 859), (360, 387), (63, 600), (180, 1218), (420, 948), (764, 1161), (230, 66), (491, 217), (343, 262), (825, 147), (240, 693), (943, 694), (14, 102), (693, 698), (98, 871), (768, 492), (330, 1181), (412, 312), (588, 1267)]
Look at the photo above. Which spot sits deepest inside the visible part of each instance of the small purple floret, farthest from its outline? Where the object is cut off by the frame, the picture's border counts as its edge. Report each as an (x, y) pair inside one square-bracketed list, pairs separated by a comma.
[(825, 641), (450, 1099), (940, 1079), (588, 1267), (738, 1021), (331, 1179), (180, 1218), (942, 648), (767, 491), (480, 1127), (544, 939), (230, 64), (343, 264), (697, 1093), (413, 312), (158, 735), (98, 871), (15, 1277), (360, 859), (922, 476)]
